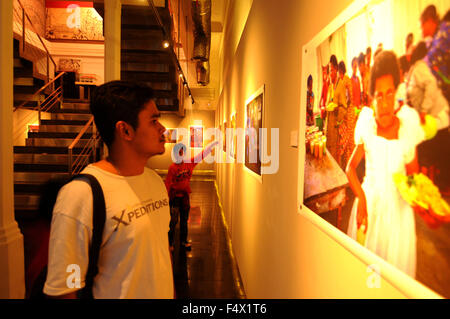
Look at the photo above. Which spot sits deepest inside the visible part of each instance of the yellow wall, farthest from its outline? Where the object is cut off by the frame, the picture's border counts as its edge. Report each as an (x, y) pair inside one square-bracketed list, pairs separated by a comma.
[(283, 252), (174, 121)]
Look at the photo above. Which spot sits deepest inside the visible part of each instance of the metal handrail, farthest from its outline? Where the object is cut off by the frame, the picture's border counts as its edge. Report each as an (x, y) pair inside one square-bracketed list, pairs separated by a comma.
[(76, 164), (40, 90), (49, 56)]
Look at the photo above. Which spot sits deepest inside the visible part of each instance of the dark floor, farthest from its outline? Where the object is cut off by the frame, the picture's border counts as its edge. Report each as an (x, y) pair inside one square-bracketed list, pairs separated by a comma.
[(433, 249), (208, 270)]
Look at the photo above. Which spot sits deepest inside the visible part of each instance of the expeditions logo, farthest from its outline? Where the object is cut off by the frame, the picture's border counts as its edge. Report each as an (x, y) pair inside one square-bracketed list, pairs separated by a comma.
[(126, 217)]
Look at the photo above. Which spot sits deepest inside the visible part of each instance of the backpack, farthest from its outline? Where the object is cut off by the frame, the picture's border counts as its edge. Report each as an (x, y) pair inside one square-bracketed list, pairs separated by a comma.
[(36, 270)]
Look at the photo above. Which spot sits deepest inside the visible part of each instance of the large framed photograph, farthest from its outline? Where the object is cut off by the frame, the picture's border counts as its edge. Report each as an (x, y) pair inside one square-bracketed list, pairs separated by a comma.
[(374, 166), (254, 111), (196, 135), (233, 148)]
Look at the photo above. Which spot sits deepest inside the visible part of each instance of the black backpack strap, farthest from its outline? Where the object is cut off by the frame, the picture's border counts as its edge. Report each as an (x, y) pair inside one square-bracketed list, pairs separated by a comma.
[(98, 224)]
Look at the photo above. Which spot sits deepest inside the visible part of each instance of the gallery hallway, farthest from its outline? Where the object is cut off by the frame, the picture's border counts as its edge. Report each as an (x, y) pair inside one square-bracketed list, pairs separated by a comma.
[(208, 270)]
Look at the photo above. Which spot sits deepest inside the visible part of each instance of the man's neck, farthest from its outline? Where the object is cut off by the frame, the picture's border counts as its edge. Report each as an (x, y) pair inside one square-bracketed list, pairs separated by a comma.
[(123, 163)]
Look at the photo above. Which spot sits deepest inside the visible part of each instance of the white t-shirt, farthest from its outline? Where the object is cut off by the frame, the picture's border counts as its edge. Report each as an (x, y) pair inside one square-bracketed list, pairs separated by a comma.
[(134, 259)]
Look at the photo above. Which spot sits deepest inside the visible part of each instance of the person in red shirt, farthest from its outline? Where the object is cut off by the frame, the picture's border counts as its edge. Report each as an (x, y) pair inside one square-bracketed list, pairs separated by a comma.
[(177, 184)]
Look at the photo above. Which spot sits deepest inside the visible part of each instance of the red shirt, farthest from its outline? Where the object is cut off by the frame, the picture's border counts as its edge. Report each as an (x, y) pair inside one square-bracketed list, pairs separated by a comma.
[(179, 177)]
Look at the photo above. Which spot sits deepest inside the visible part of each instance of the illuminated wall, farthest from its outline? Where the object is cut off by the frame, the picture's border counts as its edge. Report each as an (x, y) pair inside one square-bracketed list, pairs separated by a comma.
[(205, 118), (280, 252)]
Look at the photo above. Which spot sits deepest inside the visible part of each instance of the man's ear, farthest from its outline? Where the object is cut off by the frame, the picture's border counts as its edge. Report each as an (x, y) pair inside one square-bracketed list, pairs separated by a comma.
[(124, 130)]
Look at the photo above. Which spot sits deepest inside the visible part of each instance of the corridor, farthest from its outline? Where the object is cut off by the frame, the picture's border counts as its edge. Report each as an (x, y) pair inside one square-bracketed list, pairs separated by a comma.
[(208, 270)]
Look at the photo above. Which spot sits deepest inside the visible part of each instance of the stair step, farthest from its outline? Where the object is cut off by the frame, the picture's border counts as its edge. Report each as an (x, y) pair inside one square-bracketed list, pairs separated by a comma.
[(43, 158), (147, 76), (63, 128), (71, 116), (58, 135), (147, 44), (47, 167), (28, 188), (75, 106), (37, 177), (53, 142), (63, 122), (44, 150), (72, 111), (144, 67), (23, 81)]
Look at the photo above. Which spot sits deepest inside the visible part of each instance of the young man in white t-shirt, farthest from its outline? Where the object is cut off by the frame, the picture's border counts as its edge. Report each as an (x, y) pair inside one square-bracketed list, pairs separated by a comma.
[(134, 260)]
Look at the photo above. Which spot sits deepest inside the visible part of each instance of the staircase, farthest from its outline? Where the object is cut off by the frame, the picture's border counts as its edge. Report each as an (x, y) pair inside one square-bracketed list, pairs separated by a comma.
[(45, 154), (142, 56)]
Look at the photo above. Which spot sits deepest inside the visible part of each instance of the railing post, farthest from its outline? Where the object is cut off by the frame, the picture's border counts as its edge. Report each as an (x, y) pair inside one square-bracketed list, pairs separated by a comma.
[(70, 161), (23, 30), (48, 68), (39, 112)]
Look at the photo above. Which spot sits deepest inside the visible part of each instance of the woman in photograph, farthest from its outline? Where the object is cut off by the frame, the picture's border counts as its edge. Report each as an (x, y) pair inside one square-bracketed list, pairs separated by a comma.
[(324, 94), (342, 97), (332, 125), (387, 140)]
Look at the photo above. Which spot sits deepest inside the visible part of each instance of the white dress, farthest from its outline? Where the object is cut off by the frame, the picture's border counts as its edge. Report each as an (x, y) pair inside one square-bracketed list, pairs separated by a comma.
[(391, 232)]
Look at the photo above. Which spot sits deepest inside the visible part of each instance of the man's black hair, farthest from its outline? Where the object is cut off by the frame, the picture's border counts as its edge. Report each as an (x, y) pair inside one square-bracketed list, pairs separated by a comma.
[(342, 67), (368, 50), (333, 61), (309, 79), (118, 101), (419, 52), (385, 64), (361, 58), (430, 12)]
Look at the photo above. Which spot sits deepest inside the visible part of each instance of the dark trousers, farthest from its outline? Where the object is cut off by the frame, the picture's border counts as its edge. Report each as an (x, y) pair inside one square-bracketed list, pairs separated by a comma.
[(179, 206)]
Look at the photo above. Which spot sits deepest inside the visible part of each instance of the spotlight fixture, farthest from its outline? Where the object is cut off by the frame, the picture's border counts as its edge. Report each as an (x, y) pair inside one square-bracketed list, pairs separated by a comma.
[(165, 44)]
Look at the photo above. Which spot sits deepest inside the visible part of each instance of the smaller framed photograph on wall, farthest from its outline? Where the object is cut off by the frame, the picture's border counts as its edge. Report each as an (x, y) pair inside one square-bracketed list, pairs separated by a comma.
[(196, 136), (171, 135), (254, 111)]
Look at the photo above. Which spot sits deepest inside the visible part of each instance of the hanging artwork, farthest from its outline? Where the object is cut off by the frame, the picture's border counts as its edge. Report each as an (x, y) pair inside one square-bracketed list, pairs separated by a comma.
[(254, 110), (73, 20), (372, 167), (196, 133)]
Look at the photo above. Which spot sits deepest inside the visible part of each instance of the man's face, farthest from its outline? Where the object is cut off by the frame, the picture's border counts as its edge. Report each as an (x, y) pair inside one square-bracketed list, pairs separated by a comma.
[(428, 28), (362, 68), (384, 100), (354, 67), (333, 73), (149, 136)]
